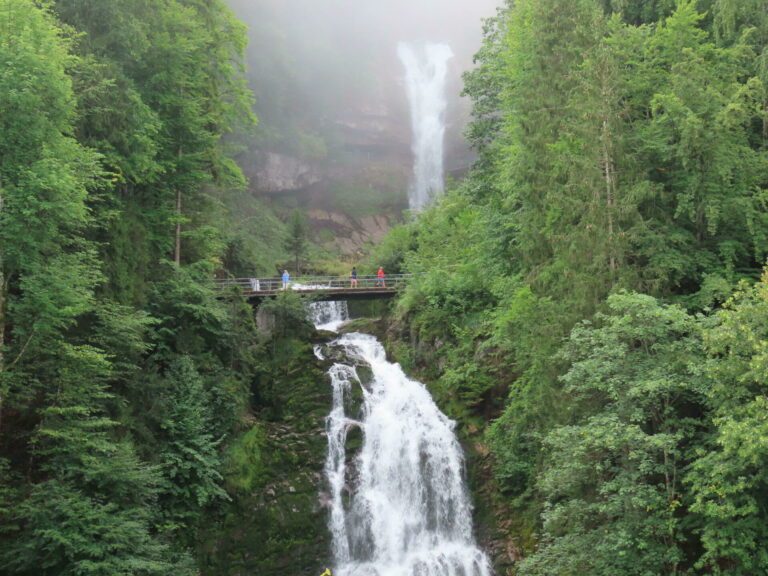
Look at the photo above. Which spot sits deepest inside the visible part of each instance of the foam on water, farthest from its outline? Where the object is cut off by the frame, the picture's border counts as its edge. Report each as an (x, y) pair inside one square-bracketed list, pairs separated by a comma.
[(405, 511)]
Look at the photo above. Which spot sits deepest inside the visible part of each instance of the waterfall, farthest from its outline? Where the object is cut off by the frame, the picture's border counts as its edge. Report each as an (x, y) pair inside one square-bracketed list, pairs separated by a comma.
[(426, 67), (325, 315), (328, 315), (400, 508)]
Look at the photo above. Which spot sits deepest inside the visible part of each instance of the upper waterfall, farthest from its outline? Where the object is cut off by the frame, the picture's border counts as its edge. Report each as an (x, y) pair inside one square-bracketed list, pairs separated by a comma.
[(426, 68)]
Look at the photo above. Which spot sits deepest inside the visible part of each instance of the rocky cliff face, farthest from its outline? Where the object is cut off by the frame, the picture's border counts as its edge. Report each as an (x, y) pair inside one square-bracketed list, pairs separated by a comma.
[(351, 181), (350, 235), (274, 173)]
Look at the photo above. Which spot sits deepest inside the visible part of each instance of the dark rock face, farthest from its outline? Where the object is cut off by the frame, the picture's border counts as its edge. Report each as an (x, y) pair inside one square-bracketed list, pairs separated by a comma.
[(350, 235), (276, 522)]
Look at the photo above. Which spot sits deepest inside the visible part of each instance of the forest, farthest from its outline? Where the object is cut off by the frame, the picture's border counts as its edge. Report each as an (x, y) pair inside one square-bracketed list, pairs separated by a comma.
[(121, 373), (592, 303), (589, 303)]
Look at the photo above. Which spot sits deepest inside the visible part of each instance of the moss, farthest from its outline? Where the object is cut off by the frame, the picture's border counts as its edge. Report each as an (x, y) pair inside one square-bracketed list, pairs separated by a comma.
[(276, 524), (244, 469), (373, 326)]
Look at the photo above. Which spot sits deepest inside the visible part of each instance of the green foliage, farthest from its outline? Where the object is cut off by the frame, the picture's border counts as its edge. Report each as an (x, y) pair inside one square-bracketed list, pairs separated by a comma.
[(120, 374), (189, 460), (288, 313), (68, 533), (728, 478), (296, 243), (622, 150), (612, 475), (245, 469)]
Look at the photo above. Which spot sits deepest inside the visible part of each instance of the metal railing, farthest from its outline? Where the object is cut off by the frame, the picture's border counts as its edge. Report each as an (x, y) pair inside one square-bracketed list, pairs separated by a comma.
[(314, 284)]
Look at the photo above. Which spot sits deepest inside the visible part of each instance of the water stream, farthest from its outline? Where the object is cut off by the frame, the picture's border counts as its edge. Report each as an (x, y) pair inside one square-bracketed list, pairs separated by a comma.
[(399, 507), (426, 68)]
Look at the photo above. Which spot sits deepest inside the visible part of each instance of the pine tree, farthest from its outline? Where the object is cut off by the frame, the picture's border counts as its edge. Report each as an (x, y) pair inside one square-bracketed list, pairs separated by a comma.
[(297, 241)]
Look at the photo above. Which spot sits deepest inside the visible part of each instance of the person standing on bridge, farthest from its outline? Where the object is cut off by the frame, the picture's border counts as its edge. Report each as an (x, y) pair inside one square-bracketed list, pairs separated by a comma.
[(286, 279), (353, 276), (380, 277)]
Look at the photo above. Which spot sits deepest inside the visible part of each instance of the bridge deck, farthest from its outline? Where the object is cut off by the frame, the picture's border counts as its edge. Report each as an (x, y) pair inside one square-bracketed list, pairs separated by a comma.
[(320, 287)]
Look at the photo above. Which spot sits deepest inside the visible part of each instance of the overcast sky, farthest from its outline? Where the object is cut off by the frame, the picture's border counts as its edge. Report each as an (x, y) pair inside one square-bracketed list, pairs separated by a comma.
[(370, 28)]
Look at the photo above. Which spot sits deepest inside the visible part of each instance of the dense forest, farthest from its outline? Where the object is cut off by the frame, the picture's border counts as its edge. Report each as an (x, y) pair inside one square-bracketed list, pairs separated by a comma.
[(122, 377), (590, 303)]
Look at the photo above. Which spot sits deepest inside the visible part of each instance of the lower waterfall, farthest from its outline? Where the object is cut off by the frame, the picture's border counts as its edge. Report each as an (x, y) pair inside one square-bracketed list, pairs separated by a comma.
[(400, 506)]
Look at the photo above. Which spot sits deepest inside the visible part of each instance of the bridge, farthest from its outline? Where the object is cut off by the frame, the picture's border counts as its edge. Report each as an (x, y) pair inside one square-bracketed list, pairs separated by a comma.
[(321, 288)]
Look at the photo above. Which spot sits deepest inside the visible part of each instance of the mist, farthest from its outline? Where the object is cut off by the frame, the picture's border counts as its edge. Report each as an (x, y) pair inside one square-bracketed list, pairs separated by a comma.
[(310, 30), (332, 100)]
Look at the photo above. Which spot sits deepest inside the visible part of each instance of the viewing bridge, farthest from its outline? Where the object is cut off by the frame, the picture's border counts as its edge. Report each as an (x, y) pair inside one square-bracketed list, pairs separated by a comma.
[(321, 288)]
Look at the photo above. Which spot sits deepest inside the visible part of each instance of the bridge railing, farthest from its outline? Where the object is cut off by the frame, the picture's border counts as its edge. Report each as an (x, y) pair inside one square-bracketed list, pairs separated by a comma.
[(312, 284)]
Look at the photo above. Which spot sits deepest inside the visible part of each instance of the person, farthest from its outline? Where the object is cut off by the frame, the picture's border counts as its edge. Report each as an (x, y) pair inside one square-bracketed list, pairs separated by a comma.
[(354, 277), (255, 287), (286, 279), (380, 277), (327, 572)]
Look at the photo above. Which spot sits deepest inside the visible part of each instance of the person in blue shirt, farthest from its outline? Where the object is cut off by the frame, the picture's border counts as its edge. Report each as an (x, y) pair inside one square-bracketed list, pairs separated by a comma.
[(286, 279)]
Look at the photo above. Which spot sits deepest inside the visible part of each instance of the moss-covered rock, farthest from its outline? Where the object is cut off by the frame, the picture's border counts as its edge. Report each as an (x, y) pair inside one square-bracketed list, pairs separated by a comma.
[(374, 326), (276, 521)]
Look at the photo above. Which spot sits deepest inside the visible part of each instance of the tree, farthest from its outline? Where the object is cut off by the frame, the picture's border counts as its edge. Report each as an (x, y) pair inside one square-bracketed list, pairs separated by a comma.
[(88, 486), (90, 512), (171, 74), (297, 242), (613, 475), (729, 478), (189, 458)]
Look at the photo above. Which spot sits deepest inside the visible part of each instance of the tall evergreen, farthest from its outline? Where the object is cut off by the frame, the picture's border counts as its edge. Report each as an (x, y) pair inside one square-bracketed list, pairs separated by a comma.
[(111, 112)]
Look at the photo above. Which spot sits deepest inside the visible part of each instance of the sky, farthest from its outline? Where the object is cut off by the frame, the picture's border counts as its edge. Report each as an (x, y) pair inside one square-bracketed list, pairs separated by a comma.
[(375, 24), (324, 39)]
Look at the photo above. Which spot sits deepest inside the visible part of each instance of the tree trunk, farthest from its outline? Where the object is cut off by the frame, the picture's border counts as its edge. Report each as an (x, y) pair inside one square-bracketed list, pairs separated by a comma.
[(765, 121), (177, 251), (3, 292), (609, 99), (610, 187)]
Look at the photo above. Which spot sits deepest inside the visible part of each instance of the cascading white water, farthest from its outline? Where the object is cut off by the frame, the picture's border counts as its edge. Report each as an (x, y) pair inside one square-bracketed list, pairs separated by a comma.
[(325, 315), (328, 315), (407, 512), (426, 68)]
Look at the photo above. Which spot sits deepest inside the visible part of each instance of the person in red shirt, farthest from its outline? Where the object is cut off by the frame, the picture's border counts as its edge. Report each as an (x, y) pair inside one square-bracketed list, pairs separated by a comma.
[(380, 277)]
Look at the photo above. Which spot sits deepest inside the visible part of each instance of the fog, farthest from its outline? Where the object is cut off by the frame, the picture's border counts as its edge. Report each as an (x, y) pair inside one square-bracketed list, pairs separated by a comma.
[(328, 81), (366, 27)]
